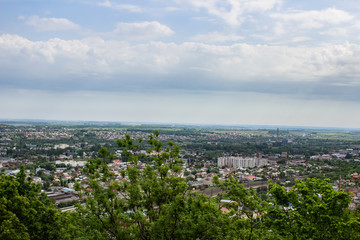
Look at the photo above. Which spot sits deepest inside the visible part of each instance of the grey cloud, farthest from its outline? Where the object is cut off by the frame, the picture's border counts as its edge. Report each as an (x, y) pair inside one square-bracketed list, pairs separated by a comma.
[(327, 71)]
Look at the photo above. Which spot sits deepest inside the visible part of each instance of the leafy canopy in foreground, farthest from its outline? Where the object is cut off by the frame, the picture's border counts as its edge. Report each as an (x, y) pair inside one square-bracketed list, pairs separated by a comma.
[(24, 212), (146, 201), (246, 209), (312, 209)]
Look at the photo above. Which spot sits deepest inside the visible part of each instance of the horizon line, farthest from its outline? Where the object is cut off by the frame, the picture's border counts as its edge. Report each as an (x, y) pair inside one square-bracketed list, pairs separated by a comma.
[(207, 125)]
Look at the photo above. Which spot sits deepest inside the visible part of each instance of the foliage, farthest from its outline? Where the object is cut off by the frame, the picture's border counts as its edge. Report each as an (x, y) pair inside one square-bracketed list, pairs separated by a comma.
[(246, 208), (150, 202), (24, 212), (312, 209)]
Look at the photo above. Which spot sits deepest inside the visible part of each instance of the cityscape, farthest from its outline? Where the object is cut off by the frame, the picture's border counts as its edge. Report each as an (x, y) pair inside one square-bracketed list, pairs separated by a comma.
[(118, 170), (179, 120), (55, 155)]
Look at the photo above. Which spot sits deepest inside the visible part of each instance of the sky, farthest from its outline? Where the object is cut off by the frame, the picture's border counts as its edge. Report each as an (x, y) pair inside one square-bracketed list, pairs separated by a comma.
[(233, 62)]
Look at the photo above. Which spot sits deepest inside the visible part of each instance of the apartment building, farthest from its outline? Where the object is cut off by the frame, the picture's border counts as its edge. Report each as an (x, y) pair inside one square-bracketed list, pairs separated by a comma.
[(241, 162)]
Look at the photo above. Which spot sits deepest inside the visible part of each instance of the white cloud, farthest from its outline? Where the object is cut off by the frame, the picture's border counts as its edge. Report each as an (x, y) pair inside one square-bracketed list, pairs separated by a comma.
[(356, 25), (314, 18), (95, 63), (51, 24), (336, 32), (279, 29), (142, 30), (261, 5), (232, 11), (216, 37), (127, 7), (300, 39)]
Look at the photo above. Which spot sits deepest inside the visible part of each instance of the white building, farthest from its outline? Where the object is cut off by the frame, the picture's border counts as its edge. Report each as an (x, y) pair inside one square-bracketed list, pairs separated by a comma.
[(241, 162), (61, 146), (72, 163)]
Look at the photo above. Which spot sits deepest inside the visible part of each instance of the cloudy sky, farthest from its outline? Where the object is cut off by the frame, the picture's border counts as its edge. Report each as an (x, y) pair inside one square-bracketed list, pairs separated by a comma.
[(267, 62)]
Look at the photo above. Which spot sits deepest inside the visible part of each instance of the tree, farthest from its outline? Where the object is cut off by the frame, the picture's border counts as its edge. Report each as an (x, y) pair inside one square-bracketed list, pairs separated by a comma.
[(247, 209), (24, 212), (150, 202), (312, 209)]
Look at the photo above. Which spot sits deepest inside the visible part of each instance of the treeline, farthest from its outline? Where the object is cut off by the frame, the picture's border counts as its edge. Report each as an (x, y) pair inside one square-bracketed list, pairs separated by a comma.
[(155, 203), (247, 147), (339, 168), (195, 140)]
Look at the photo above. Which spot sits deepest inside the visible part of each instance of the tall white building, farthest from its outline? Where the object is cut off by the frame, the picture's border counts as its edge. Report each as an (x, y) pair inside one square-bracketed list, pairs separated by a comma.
[(241, 162)]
